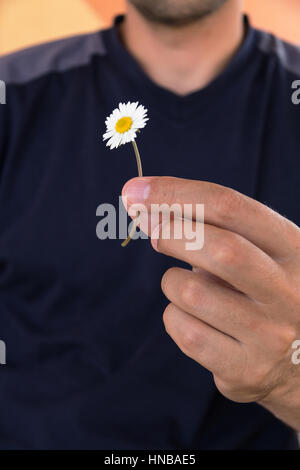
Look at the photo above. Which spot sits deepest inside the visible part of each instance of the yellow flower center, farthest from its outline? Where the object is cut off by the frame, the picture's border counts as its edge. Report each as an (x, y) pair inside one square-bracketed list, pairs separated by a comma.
[(123, 125)]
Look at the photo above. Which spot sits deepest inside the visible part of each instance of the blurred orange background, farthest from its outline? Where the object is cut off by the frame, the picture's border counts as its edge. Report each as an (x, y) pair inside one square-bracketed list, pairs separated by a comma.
[(27, 22)]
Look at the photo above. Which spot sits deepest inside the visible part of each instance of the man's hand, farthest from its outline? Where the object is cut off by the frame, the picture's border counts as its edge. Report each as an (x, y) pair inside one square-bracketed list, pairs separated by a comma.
[(237, 312)]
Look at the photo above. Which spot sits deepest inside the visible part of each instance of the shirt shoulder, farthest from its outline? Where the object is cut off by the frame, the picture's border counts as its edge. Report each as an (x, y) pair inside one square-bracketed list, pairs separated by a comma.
[(286, 54), (56, 56)]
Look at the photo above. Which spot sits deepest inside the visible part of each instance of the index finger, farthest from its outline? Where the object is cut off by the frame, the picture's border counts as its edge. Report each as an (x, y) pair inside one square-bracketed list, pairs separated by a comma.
[(224, 208)]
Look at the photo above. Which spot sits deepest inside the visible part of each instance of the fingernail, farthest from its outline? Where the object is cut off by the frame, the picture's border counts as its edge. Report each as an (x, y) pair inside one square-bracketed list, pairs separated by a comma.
[(137, 190)]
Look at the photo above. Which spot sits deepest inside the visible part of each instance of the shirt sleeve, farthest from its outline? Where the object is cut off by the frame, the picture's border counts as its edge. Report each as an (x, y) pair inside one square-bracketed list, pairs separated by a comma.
[(3, 128)]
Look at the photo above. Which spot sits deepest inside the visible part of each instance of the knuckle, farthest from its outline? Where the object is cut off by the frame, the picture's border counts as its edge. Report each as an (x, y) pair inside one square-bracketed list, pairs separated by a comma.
[(226, 253), (190, 341), (190, 293), (248, 387), (226, 387), (231, 389), (288, 292)]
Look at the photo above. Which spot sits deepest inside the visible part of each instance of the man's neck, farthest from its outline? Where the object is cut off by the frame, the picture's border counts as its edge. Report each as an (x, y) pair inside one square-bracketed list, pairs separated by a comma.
[(188, 58)]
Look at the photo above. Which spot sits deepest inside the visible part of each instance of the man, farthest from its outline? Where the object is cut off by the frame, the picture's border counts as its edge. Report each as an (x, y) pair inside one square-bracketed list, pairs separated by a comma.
[(89, 363)]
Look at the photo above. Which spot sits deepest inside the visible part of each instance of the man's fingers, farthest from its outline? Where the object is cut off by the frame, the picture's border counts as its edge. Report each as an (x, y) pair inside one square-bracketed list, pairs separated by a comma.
[(219, 353), (227, 256), (224, 208), (221, 307)]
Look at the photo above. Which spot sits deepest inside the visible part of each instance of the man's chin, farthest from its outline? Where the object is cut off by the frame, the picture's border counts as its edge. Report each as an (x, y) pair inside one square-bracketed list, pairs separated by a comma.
[(180, 17), (174, 22)]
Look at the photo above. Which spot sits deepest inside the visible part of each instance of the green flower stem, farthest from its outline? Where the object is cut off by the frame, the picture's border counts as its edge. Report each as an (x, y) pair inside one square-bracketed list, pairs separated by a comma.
[(140, 173)]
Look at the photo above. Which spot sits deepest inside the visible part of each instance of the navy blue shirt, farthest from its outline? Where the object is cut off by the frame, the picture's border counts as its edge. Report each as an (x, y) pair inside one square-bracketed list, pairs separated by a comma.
[(89, 364)]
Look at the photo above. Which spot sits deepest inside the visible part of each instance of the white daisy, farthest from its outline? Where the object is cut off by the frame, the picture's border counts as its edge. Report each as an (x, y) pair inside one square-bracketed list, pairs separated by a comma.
[(124, 123)]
